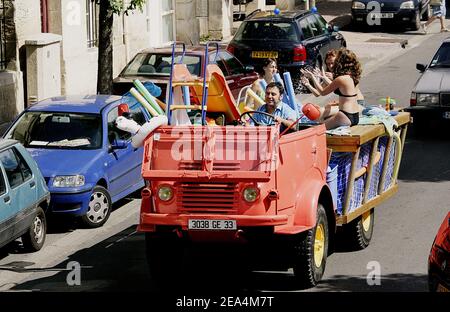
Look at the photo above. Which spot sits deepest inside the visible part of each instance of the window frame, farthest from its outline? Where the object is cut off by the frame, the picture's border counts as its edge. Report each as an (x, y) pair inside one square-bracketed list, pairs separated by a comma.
[(163, 15), (92, 24)]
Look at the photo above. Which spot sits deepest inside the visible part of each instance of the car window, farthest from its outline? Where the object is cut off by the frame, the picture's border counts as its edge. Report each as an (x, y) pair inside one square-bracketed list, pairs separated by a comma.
[(17, 170), (322, 23), (233, 66), (306, 30), (58, 130), (315, 26), (263, 30), (26, 171), (219, 61), (442, 57), (115, 133), (2, 184), (148, 64)]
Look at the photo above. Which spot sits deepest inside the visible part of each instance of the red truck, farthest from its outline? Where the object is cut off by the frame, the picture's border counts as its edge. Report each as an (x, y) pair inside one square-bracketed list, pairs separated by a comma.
[(222, 182)]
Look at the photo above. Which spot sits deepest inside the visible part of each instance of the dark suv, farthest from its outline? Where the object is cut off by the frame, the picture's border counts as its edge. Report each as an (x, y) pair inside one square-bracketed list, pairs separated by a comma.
[(398, 12), (295, 39)]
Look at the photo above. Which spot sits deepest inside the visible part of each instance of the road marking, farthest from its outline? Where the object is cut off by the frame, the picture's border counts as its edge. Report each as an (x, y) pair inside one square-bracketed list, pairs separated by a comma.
[(121, 239)]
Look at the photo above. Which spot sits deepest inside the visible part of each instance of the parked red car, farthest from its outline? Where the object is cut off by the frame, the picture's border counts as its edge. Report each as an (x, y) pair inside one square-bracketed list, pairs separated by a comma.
[(154, 65), (439, 259)]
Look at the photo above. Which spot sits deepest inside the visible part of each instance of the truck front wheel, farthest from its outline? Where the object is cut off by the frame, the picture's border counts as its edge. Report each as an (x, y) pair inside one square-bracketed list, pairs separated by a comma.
[(311, 252)]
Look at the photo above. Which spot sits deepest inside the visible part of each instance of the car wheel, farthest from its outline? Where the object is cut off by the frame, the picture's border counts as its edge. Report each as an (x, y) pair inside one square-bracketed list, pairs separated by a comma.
[(99, 208), (416, 23), (34, 238), (311, 252), (358, 233)]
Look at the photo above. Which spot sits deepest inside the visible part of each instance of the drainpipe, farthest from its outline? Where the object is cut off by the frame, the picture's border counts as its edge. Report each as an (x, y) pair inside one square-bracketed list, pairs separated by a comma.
[(44, 16)]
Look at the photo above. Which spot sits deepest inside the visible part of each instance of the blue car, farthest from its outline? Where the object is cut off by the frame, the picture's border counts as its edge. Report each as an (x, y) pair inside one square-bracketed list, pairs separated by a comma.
[(87, 162), (24, 197)]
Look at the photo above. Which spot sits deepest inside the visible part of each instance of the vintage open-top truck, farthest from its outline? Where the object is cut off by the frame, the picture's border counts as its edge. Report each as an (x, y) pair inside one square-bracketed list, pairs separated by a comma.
[(223, 182)]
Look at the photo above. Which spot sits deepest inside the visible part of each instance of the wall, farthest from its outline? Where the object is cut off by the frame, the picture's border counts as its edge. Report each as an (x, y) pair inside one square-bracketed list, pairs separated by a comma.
[(131, 34), (189, 28), (22, 20)]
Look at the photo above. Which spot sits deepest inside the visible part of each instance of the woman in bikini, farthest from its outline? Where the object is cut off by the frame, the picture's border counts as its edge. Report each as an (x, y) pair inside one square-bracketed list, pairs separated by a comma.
[(346, 73), (326, 74)]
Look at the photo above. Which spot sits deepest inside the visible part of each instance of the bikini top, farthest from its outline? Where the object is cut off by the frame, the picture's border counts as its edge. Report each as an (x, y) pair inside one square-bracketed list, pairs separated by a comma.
[(338, 92)]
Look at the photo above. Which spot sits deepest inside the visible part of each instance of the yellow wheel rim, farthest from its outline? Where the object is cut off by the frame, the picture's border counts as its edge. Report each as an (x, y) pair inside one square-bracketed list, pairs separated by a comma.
[(366, 217), (319, 245)]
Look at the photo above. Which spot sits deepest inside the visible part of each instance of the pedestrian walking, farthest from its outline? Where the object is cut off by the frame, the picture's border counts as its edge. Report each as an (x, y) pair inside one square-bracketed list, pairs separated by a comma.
[(438, 11)]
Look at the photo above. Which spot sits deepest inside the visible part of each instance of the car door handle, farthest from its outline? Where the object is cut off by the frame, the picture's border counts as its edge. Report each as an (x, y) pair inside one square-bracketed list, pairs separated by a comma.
[(7, 199), (230, 81), (32, 184)]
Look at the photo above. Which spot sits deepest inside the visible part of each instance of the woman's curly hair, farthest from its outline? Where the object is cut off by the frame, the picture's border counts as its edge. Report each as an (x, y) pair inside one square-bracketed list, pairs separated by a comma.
[(347, 63)]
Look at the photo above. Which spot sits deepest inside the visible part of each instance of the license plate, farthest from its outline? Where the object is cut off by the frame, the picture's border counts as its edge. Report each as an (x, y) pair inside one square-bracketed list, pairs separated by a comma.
[(203, 224), (264, 54), (441, 288), (446, 115), (381, 15)]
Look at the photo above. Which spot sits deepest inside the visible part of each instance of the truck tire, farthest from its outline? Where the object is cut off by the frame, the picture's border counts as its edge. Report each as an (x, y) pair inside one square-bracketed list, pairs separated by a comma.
[(34, 238), (311, 252), (358, 233), (164, 253)]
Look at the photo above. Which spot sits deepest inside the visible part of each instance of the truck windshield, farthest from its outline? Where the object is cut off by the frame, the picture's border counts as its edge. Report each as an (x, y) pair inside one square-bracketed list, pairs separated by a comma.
[(58, 130)]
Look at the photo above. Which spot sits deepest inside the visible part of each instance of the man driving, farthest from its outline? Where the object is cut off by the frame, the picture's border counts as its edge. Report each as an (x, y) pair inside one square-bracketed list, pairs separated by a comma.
[(282, 112)]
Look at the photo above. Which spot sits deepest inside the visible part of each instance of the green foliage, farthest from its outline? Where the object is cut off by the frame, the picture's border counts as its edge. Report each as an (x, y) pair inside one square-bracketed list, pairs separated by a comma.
[(123, 6)]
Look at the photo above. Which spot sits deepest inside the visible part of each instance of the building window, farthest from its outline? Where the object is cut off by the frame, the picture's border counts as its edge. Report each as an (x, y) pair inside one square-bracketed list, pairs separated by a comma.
[(168, 21), (92, 23), (2, 35)]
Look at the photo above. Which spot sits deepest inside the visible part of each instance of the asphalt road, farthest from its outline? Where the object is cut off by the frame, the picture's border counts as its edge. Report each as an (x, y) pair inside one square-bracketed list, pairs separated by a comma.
[(113, 258)]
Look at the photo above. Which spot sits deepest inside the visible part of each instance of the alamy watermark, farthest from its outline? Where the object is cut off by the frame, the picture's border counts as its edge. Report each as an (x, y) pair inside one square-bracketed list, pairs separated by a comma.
[(73, 278), (374, 276)]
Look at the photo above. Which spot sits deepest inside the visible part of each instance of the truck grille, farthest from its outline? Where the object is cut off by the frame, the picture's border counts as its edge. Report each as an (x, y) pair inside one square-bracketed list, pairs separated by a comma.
[(207, 197), (217, 165), (445, 99)]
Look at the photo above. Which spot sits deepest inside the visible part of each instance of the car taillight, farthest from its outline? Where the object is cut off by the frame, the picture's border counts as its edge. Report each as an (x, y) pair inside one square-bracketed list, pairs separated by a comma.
[(230, 49), (413, 99), (299, 53)]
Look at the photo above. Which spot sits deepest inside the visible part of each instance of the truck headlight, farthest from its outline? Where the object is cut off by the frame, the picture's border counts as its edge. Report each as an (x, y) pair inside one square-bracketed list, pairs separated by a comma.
[(68, 181), (407, 5), (427, 99), (358, 5), (251, 194), (165, 193)]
